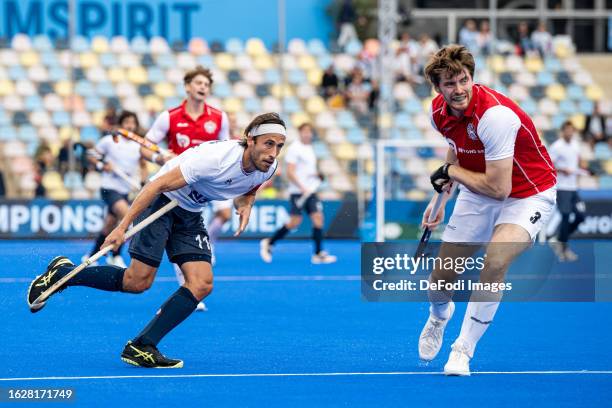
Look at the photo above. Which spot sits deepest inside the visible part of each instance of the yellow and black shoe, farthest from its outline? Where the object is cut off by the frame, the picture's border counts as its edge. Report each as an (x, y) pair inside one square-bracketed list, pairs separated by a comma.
[(147, 356), (43, 282)]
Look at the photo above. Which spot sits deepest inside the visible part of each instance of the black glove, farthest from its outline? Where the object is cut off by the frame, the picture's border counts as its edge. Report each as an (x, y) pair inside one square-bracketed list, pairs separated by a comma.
[(440, 177)]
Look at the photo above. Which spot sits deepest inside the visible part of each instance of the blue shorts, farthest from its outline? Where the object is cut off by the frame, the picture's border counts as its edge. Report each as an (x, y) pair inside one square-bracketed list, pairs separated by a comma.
[(110, 197), (312, 204), (180, 232)]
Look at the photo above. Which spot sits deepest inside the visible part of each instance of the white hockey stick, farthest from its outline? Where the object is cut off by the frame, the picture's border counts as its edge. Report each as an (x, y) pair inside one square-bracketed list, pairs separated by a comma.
[(143, 224)]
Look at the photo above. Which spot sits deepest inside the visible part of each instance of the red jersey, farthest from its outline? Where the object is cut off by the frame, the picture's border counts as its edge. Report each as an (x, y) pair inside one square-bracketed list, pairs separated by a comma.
[(184, 132), (493, 127)]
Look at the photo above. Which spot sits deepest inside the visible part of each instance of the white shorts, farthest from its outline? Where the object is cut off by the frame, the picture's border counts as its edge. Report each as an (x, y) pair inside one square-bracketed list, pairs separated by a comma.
[(222, 205), (475, 215)]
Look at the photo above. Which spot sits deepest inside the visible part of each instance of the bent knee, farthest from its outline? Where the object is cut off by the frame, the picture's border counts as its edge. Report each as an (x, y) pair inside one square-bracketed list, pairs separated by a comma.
[(134, 284), (137, 287), (203, 289)]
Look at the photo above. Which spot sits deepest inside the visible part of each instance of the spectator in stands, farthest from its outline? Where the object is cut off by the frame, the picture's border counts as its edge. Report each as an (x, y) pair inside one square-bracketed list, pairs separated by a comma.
[(485, 38), (329, 82), (367, 63), (346, 23), (349, 77), (524, 45), (427, 47), (542, 40), (81, 163), (43, 162), (595, 130), (405, 58), (2, 187), (468, 36), (358, 93), (373, 96), (110, 118)]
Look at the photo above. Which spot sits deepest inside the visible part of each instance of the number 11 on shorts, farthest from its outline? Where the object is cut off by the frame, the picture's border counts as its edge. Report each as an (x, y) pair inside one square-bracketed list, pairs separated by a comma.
[(201, 241)]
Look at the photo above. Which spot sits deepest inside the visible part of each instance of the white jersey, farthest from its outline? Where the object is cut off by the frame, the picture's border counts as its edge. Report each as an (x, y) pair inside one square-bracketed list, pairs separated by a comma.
[(213, 171), (303, 157), (566, 156), (124, 155)]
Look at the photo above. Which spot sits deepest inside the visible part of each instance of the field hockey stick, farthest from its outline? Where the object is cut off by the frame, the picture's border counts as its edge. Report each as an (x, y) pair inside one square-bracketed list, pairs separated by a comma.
[(302, 200), (121, 174), (143, 224), (144, 142), (432, 216)]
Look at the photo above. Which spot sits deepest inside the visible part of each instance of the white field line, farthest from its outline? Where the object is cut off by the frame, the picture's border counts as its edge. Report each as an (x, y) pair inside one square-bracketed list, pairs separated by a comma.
[(339, 374)]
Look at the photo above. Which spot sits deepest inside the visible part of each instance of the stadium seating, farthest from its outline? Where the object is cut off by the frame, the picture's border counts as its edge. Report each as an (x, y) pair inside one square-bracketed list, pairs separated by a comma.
[(46, 91)]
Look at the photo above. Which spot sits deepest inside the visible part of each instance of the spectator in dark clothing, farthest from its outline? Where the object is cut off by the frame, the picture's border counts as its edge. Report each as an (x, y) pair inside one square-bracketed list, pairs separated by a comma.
[(81, 163), (43, 162), (524, 45), (346, 23), (329, 82), (595, 127), (374, 94), (2, 188)]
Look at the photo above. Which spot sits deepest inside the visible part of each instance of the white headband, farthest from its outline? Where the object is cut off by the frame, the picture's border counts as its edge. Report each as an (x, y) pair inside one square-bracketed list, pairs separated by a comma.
[(268, 128)]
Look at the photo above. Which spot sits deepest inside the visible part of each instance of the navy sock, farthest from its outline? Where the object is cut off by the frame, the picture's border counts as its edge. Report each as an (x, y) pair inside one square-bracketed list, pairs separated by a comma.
[(176, 309), (104, 277), (279, 234), (118, 250), (317, 236), (99, 241)]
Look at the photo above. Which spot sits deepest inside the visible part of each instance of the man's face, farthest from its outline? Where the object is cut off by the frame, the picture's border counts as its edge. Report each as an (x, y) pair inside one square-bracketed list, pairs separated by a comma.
[(199, 88), (568, 132), (456, 90), (129, 124), (264, 149), (306, 135)]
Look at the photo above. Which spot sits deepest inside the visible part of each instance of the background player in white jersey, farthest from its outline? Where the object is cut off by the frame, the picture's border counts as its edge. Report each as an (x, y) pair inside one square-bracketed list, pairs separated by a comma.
[(507, 193), (565, 154), (212, 171), (304, 179), (187, 125), (113, 155)]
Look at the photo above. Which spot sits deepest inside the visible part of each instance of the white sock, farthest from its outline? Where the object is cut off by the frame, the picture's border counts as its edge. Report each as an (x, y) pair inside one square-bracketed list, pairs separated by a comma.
[(440, 310), (478, 317), (215, 228), (439, 301), (179, 275)]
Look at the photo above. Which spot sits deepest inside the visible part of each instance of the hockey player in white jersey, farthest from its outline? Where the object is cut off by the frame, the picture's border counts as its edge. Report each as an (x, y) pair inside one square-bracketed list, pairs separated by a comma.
[(211, 171)]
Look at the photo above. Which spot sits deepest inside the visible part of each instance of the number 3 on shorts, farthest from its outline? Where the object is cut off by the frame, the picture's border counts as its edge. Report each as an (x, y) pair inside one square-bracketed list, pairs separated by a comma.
[(200, 241)]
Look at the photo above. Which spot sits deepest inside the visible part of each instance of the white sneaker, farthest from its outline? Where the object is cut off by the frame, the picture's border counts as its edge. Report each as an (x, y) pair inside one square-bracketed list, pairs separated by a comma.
[(116, 260), (86, 257), (323, 258), (569, 255), (557, 248), (459, 360), (430, 340), (201, 307), (265, 251)]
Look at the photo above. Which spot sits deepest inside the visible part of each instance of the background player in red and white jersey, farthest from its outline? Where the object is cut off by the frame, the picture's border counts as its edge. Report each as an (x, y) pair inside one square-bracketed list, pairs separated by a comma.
[(187, 125), (507, 192)]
